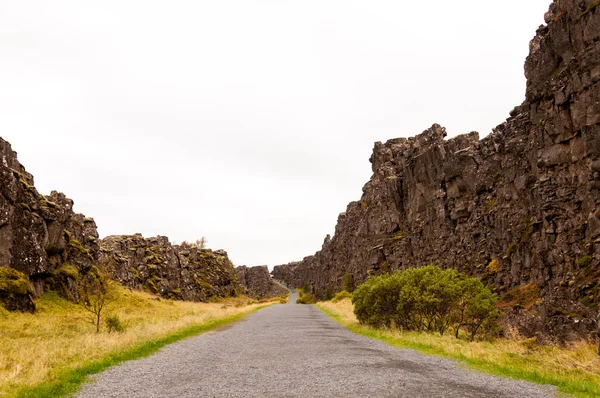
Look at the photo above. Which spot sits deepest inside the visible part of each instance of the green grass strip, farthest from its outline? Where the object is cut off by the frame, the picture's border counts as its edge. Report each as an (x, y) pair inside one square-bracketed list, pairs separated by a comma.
[(578, 386), (71, 381)]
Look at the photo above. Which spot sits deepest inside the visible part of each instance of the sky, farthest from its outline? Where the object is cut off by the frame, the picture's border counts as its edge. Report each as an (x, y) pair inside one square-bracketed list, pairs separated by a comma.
[(249, 122)]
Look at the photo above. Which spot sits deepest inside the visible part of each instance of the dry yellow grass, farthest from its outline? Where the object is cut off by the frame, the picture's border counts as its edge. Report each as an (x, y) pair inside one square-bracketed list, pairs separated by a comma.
[(36, 347), (574, 369)]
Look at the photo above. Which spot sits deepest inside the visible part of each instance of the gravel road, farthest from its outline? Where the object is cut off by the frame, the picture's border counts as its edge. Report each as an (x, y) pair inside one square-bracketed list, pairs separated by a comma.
[(296, 351)]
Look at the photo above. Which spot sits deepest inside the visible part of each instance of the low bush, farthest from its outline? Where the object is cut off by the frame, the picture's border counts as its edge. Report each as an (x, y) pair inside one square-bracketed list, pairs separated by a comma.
[(428, 299), (283, 299), (114, 324), (574, 369), (305, 296), (341, 295)]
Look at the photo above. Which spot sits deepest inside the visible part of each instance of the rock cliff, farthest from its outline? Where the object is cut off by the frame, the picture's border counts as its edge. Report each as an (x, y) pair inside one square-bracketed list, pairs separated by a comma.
[(519, 208), (182, 272), (43, 243), (40, 236), (257, 282)]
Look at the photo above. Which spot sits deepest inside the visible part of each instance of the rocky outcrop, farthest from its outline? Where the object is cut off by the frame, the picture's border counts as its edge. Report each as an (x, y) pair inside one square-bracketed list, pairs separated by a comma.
[(43, 243), (257, 282), (182, 272), (40, 236), (16, 292), (519, 208)]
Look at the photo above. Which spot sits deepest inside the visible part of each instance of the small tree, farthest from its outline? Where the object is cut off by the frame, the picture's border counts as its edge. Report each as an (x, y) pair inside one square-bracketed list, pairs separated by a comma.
[(201, 243), (94, 292)]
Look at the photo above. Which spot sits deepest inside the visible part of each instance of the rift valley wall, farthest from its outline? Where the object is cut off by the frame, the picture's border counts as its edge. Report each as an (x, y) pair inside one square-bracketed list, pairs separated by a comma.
[(40, 236), (44, 244), (519, 208), (182, 272), (257, 282)]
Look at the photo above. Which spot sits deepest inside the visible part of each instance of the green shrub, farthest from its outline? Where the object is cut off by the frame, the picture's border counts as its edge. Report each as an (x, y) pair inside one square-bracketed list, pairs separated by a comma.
[(340, 296), (584, 261), (305, 296), (427, 299), (328, 294), (114, 324), (349, 285)]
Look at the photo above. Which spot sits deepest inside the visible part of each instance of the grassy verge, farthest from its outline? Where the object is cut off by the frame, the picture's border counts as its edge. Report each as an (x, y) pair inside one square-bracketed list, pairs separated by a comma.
[(574, 370), (51, 353)]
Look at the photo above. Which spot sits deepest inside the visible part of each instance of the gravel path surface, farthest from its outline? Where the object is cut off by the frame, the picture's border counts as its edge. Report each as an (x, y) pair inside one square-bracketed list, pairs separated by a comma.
[(296, 351)]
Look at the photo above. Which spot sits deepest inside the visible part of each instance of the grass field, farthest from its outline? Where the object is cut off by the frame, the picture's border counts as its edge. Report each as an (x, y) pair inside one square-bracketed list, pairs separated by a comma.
[(51, 352), (575, 370)]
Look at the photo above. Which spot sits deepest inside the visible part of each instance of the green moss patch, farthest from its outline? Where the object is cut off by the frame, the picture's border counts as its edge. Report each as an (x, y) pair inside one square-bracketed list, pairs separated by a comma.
[(584, 261), (67, 269), (16, 292), (152, 284)]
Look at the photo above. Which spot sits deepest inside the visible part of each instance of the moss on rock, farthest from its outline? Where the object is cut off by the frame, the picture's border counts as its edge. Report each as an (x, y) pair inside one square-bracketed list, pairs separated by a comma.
[(16, 292), (152, 284), (67, 269)]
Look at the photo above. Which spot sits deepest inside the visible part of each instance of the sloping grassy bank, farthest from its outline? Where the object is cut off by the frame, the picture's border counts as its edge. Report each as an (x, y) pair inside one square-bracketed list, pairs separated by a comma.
[(50, 353), (574, 370)]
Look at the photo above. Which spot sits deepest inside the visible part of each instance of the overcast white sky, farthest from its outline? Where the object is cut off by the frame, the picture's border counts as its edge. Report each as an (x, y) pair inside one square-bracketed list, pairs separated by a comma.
[(250, 122)]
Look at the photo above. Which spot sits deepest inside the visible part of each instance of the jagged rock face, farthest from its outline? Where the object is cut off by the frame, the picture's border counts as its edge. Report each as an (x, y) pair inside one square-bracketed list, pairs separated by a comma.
[(257, 282), (518, 208), (177, 272), (42, 238), (39, 234)]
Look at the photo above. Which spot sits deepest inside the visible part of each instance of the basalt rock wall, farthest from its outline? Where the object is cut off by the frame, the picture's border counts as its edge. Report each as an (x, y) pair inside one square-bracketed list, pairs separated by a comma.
[(257, 282), (44, 244), (519, 208), (40, 236), (182, 272)]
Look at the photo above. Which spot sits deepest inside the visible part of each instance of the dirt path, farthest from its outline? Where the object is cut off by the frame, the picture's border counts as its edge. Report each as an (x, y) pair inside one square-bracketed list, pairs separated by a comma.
[(296, 351)]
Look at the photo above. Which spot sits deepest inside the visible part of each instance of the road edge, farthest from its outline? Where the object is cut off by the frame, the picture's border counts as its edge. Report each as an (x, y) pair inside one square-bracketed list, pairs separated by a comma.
[(69, 382), (555, 387)]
